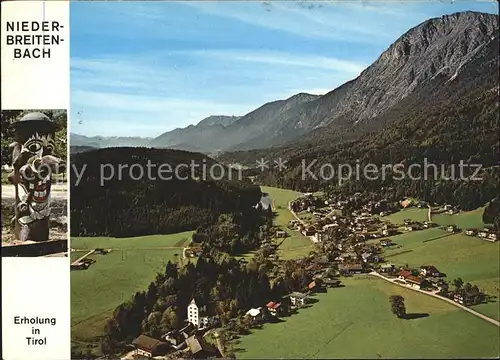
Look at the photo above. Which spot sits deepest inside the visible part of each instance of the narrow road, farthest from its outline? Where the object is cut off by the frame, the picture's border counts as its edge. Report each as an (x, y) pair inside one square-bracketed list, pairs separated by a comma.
[(295, 215), (82, 257), (301, 221), (429, 213), (434, 294)]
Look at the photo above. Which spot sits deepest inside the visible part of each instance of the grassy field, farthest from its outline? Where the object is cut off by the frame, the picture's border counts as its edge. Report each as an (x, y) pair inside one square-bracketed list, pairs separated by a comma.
[(474, 260), (466, 219), (410, 213), (356, 322), (116, 276), (295, 245)]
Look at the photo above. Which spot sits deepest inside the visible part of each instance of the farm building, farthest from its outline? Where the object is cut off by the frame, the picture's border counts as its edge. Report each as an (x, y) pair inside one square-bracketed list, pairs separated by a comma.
[(470, 232), (149, 347), (276, 309), (429, 270), (281, 234), (298, 299), (200, 348), (387, 268), (351, 268), (255, 313)]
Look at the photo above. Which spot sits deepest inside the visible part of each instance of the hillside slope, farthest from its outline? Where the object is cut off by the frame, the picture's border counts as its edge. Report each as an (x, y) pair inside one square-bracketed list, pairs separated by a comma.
[(128, 204)]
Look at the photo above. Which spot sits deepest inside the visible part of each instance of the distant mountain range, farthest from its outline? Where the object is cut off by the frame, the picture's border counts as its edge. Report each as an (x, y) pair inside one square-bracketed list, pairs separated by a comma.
[(437, 48), (107, 141)]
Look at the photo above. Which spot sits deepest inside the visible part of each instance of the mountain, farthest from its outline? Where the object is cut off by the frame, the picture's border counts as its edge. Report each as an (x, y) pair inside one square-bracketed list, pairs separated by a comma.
[(448, 117), (107, 141), (429, 57), (199, 137), (174, 193), (223, 120), (213, 135), (437, 47)]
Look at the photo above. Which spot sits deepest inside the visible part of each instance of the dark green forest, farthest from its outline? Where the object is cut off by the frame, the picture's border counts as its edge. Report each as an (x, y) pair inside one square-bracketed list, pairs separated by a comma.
[(130, 205), (446, 121)]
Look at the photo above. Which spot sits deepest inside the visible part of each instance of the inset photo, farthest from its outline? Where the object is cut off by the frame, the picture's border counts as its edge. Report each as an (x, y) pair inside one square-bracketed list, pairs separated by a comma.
[(34, 183)]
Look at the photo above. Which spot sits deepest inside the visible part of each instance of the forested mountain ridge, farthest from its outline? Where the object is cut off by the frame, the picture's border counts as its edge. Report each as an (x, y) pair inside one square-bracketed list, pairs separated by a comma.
[(134, 202), (438, 47), (445, 120), (217, 137)]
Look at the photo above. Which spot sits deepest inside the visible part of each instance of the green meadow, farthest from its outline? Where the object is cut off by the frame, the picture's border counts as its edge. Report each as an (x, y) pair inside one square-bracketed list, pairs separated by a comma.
[(296, 245), (129, 267), (356, 322), (457, 255)]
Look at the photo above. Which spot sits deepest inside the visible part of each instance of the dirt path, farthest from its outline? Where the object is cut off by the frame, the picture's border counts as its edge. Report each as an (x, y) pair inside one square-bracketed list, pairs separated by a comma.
[(429, 214), (434, 294)]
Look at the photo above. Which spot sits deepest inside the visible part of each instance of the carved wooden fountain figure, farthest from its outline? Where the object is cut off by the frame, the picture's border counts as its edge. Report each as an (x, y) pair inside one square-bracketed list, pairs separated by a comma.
[(33, 165)]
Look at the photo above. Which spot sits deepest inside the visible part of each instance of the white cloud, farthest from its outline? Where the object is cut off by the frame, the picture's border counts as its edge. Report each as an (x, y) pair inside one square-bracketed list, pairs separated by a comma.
[(284, 59)]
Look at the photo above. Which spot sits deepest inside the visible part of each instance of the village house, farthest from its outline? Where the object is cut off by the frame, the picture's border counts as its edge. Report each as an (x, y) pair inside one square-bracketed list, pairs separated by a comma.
[(386, 243), (331, 283), (200, 348), (429, 271), (403, 274), (436, 282), (461, 299), (276, 309), (414, 281), (281, 234), (320, 236), (177, 338), (451, 228), (351, 268), (298, 299), (483, 233), (388, 232), (315, 285), (255, 314), (427, 225), (387, 268), (309, 231), (492, 237), (470, 232), (149, 347), (197, 315)]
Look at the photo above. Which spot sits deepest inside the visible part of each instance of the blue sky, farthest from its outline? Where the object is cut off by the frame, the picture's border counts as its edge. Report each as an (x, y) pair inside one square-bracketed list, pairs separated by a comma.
[(143, 68)]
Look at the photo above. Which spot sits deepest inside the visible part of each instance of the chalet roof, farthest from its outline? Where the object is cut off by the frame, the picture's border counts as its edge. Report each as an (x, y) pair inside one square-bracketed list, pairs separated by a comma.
[(312, 284), (430, 268), (254, 312), (273, 305), (332, 281), (386, 266), (404, 273), (351, 266), (147, 343), (298, 295), (197, 344), (414, 279)]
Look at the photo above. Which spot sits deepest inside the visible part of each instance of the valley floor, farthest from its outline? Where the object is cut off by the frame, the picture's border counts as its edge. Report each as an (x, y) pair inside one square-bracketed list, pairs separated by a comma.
[(355, 321)]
